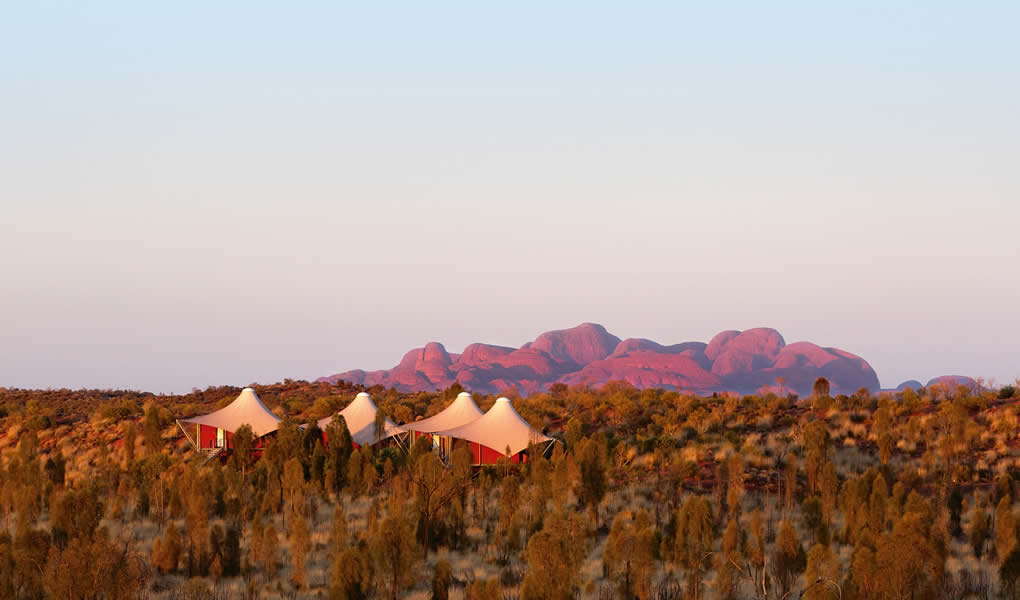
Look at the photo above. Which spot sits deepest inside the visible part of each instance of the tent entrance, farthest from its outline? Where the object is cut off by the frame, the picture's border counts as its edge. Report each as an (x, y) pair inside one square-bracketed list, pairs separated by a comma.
[(220, 435)]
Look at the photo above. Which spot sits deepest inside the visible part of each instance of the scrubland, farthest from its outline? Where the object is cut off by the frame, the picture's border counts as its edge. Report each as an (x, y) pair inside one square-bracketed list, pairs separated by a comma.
[(648, 494)]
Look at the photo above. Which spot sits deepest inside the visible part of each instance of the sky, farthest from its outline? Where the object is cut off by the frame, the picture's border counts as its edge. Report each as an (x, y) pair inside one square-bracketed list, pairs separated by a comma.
[(198, 194)]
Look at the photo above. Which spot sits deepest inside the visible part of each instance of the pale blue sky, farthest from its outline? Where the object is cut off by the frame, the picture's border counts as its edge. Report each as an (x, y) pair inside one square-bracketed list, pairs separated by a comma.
[(199, 195)]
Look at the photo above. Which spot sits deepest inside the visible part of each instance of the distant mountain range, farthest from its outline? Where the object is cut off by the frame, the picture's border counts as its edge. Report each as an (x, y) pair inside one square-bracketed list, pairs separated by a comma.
[(737, 361)]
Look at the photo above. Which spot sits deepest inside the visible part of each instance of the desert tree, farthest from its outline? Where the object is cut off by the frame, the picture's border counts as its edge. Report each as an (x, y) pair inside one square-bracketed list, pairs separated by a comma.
[(877, 504), (629, 555), (978, 531), (1009, 574), (821, 387), (338, 453), (270, 551), (300, 543), (166, 551), (435, 487), (822, 565), (1003, 487), (735, 483), (256, 537), (862, 578), (338, 534), (693, 540), (230, 552), (790, 483), (560, 477), (591, 487), (830, 491), (197, 530), (509, 524), (94, 567), (728, 561), (394, 551), (75, 513), (751, 563), (789, 558), (554, 556), (907, 558), (293, 488), (484, 589), (369, 474), (243, 441), (817, 446), (379, 425), (441, 580), (24, 558), (1005, 528), (350, 574), (56, 468), (317, 467), (355, 472), (152, 428), (539, 489), (130, 435)]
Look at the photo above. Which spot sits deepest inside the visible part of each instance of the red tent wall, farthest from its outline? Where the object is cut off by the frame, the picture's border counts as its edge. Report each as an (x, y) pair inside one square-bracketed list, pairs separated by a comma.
[(483, 455), (207, 438)]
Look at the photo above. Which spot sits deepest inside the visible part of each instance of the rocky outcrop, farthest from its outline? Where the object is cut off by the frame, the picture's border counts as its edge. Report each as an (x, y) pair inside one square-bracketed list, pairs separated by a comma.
[(953, 381), (910, 383), (740, 361)]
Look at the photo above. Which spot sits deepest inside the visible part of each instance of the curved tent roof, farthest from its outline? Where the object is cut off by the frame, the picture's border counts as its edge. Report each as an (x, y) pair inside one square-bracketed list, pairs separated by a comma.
[(360, 417), (461, 412), (246, 409), (498, 429)]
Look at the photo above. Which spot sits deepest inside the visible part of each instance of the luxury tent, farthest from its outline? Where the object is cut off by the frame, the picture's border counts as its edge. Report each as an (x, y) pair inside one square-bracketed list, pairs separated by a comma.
[(462, 411), (360, 418), (493, 433), (215, 429)]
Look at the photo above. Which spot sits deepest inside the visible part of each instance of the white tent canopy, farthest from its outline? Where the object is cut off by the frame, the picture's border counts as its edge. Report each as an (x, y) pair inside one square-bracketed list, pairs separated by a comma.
[(498, 429), (360, 418), (246, 409), (461, 412)]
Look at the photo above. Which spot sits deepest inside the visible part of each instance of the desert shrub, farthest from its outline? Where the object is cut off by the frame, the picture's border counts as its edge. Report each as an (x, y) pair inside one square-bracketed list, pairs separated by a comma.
[(118, 411), (39, 422)]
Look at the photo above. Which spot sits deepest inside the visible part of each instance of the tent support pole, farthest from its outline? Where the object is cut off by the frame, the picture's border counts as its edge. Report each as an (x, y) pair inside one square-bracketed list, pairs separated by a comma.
[(403, 445), (187, 435)]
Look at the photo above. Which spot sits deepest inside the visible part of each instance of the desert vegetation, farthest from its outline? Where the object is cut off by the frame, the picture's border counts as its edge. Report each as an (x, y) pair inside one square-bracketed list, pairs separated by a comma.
[(649, 494)]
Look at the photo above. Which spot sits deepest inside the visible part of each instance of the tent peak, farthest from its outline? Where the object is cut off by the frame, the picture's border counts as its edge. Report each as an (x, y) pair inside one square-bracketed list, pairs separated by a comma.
[(246, 409)]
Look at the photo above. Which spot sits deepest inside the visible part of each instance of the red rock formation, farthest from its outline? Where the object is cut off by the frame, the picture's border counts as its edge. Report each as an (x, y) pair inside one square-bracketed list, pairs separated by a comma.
[(579, 345), (718, 343), (588, 354), (646, 368), (480, 354), (748, 351)]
